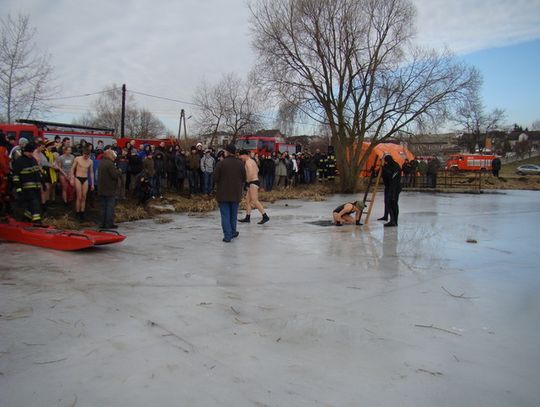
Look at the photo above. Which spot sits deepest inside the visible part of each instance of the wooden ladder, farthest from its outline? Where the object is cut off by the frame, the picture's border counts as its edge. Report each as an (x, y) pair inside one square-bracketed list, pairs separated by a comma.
[(371, 190)]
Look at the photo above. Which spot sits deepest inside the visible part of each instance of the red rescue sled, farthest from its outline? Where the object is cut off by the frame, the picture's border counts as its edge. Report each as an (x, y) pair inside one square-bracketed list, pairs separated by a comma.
[(51, 238)]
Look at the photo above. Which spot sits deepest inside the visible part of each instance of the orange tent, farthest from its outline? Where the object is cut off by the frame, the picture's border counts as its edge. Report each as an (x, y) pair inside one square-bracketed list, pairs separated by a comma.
[(398, 152)]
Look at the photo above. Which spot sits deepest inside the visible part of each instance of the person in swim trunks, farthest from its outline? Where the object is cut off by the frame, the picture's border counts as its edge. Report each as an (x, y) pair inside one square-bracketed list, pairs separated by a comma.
[(82, 169), (342, 214), (252, 194), (64, 164)]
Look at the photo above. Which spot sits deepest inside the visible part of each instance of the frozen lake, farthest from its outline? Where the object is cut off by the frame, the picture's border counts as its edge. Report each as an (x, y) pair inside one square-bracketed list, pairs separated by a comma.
[(288, 314)]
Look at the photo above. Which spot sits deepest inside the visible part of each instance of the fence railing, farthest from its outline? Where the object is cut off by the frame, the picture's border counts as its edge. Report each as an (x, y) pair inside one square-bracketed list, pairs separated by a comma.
[(446, 179)]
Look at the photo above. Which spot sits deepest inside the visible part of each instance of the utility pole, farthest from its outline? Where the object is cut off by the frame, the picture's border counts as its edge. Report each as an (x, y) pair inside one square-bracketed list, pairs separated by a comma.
[(123, 119), (180, 124), (182, 120), (185, 131)]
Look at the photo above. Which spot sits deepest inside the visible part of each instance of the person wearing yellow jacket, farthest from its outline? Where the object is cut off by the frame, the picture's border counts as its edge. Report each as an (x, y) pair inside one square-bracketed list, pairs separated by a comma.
[(53, 171), (48, 170)]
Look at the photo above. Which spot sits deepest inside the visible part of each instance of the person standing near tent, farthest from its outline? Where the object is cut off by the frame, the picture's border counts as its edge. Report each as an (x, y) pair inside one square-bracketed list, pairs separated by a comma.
[(391, 175)]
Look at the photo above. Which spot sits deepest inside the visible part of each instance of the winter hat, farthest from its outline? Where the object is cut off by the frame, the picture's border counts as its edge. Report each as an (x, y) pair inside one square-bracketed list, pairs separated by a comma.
[(29, 147), (231, 148)]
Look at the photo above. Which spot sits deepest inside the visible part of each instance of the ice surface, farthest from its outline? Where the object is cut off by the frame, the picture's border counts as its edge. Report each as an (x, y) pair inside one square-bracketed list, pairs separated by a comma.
[(288, 314)]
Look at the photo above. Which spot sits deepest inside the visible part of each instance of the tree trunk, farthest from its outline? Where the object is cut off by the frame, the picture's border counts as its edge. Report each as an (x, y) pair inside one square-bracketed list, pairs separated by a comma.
[(349, 169)]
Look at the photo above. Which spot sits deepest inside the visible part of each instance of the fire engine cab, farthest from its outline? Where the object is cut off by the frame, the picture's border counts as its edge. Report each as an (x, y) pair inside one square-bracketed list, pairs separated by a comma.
[(469, 162)]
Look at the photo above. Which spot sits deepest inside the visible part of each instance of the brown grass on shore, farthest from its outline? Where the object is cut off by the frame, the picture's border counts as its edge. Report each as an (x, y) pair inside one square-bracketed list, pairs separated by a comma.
[(315, 192), (127, 211), (194, 204), (62, 222)]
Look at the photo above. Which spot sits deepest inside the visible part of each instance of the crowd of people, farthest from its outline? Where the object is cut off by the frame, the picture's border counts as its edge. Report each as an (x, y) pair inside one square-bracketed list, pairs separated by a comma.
[(39, 173)]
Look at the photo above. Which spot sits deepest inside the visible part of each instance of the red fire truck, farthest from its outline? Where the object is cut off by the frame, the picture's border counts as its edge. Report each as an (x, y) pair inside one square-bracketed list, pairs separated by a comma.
[(264, 145), (34, 129), (469, 162)]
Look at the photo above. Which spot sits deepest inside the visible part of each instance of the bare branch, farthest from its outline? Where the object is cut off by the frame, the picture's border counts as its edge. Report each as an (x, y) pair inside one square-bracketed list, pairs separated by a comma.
[(107, 112), (350, 65), (230, 105), (25, 73)]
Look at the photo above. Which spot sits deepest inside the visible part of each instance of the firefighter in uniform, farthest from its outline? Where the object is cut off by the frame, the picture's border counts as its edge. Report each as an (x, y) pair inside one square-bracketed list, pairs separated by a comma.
[(27, 182), (322, 167), (331, 167)]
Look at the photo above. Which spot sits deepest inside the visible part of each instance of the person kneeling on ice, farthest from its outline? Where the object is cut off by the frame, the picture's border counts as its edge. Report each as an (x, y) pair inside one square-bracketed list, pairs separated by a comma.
[(342, 214)]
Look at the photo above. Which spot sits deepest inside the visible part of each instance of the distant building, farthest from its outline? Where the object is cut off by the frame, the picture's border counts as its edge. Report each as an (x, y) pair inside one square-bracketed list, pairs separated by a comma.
[(532, 136), (434, 144), (220, 139)]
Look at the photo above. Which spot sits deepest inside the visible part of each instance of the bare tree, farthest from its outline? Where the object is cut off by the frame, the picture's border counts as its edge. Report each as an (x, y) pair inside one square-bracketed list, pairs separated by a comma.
[(107, 109), (286, 118), (211, 102), (242, 105), (107, 112), (350, 64), (231, 105), (535, 125), (25, 73), (148, 125), (472, 118)]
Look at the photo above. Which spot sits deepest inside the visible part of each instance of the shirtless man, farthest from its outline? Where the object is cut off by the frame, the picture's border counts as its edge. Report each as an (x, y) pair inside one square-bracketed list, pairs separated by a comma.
[(342, 214), (81, 169), (252, 194)]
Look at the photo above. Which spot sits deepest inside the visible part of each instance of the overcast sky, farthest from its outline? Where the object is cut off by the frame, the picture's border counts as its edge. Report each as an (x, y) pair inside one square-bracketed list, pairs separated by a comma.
[(166, 47)]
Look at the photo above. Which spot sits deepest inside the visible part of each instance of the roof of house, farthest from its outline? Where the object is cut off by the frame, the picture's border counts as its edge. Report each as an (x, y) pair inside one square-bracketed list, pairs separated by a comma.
[(533, 135)]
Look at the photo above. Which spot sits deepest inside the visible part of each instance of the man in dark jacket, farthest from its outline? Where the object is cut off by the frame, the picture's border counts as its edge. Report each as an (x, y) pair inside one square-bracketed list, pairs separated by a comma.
[(407, 169), (230, 176), (433, 167), (268, 172), (391, 175), (135, 167), (180, 163), (193, 168), (159, 176), (496, 166), (107, 184)]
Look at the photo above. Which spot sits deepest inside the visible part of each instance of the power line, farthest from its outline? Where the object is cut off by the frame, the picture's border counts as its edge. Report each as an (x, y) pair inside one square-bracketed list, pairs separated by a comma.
[(82, 95), (74, 107), (164, 98)]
